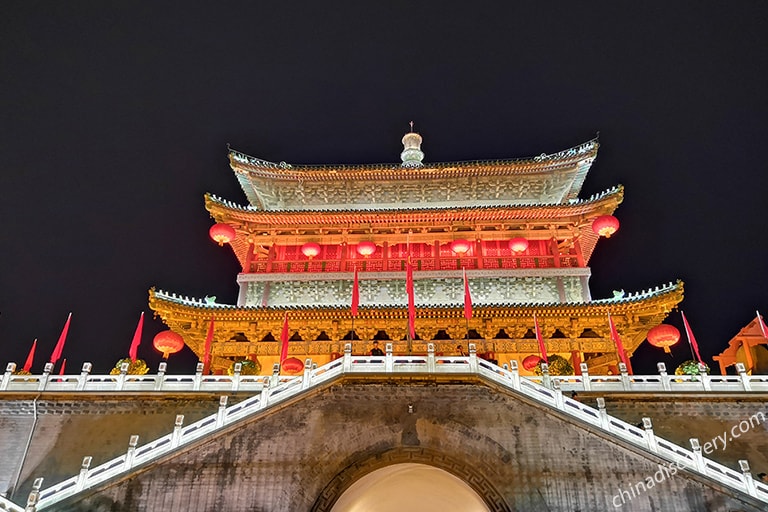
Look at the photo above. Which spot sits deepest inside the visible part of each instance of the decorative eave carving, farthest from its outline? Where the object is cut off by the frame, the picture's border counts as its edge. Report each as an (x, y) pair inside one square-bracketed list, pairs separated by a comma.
[(634, 315)]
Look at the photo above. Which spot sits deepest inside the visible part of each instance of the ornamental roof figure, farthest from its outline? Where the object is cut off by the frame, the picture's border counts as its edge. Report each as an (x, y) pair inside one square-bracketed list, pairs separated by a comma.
[(412, 155)]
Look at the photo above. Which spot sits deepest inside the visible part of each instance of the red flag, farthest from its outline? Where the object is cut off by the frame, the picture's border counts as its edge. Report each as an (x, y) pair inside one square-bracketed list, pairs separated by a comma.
[(284, 340), (56, 355), (63, 365), (467, 298), (763, 327), (542, 347), (355, 295), (136, 339), (691, 339), (207, 349), (617, 340), (30, 357), (411, 298)]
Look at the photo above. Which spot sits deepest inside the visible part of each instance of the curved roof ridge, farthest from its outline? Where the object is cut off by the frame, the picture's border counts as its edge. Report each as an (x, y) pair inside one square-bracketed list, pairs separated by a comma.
[(580, 149)]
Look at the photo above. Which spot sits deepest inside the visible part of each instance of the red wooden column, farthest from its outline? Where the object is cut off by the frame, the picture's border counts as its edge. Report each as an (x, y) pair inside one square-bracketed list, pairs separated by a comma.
[(249, 259)]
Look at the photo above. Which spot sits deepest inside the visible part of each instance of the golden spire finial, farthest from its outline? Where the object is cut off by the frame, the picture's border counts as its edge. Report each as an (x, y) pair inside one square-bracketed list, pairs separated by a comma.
[(411, 123)]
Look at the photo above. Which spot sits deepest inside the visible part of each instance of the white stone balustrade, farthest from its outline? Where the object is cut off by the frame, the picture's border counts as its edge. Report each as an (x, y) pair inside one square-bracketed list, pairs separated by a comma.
[(273, 389), (430, 363)]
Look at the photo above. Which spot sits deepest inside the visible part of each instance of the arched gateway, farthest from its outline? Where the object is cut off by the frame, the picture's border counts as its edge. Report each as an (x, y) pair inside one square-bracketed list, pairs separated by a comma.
[(405, 478)]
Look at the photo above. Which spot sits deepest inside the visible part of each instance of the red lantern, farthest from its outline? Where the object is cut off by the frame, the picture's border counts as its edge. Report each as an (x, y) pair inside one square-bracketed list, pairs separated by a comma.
[(168, 342), (460, 247), (335, 356), (664, 336), (292, 365), (310, 249), (222, 233), (605, 225), (518, 244), (530, 362), (366, 248)]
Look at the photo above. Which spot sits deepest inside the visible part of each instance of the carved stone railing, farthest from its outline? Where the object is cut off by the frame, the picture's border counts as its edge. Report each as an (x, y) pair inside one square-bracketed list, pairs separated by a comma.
[(276, 389), (161, 382)]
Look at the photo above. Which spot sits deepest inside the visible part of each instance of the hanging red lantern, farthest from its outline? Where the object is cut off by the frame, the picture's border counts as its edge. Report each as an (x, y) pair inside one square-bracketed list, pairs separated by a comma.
[(605, 225), (366, 248), (460, 247), (530, 362), (168, 342), (292, 365), (310, 249), (222, 233), (518, 244), (664, 336)]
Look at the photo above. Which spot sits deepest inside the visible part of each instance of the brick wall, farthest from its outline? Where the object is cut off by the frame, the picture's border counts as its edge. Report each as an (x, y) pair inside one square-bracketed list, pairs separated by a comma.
[(301, 456)]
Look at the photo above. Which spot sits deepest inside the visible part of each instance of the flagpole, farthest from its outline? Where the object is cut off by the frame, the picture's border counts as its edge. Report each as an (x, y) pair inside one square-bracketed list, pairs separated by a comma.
[(408, 272)]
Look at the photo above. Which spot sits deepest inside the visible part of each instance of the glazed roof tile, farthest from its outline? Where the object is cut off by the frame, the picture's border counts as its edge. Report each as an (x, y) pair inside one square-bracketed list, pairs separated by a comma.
[(309, 172)]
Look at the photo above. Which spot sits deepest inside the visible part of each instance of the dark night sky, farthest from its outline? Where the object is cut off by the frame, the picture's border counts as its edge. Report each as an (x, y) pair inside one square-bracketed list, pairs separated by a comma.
[(115, 120)]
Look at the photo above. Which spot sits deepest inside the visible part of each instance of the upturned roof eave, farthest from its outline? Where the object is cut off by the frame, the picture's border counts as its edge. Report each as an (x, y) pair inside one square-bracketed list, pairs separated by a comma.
[(629, 302), (221, 208)]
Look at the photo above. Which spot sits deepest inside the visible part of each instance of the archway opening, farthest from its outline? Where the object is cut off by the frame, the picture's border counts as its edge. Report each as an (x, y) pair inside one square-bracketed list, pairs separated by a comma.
[(409, 487)]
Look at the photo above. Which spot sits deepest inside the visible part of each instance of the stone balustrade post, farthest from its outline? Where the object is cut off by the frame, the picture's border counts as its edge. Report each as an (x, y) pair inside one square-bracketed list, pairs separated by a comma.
[(264, 395), (45, 376), (746, 476), (665, 380), (176, 435), (559, 400), (625, 384), (602, 413), (222, 412), (198, 378), (121, 378), (160, 380), (346, 365), (546, 380), (131, 453), (238, 369), (389, 361), (650, 437), (306, 377), (705, 378), (274, 380), (698, 458), (9, 369), (83, 378), (745, 383), (473, 366), (34, 494), (515, 372), (586, 381), (431, 366), (85, 466)]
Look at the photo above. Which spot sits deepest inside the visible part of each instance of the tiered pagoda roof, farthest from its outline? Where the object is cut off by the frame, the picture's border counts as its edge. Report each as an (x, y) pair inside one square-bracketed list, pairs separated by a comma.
[(299, 242)]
